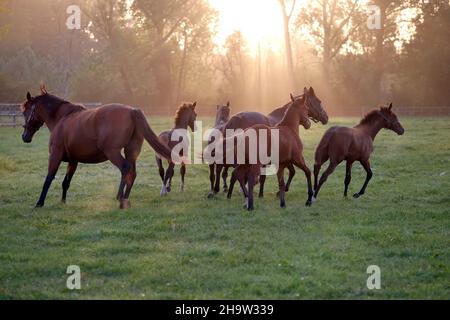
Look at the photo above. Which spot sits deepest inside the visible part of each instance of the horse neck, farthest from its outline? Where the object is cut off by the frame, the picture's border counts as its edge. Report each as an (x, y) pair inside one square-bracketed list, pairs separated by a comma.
[(279, 112), (182, 122), (372, 128), (52, 117), (291, 119)]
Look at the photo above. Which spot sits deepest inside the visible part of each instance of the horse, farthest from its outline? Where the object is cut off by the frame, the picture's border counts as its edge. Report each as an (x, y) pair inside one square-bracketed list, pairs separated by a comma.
[(290, 152), (93, 136), (185, 117), (222, 117), (244, 120), (353, 144)]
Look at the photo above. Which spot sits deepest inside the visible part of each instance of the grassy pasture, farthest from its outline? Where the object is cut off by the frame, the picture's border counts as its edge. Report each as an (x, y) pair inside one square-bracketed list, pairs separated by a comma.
[(187, 246)]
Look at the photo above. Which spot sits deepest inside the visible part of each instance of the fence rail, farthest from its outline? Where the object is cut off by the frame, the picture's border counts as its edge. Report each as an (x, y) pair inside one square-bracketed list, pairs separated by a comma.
[(11, 116)]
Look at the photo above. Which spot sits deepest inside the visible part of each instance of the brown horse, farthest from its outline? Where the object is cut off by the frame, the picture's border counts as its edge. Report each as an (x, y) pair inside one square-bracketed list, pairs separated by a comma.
[(185, 117), (222, 117), (353, 144), (89, 136), (290, 152), (244, 120)]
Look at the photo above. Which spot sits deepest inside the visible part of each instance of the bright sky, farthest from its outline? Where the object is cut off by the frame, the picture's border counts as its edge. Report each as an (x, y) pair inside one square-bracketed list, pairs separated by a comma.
[(258, 20)]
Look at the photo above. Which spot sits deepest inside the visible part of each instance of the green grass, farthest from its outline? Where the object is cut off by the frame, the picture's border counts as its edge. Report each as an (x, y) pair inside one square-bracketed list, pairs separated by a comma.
[(187, 246)]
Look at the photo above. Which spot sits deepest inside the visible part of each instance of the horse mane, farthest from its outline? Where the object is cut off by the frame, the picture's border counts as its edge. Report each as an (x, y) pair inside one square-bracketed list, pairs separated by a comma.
[(371, 116), (281, 111), (183, 107), (53, 102)]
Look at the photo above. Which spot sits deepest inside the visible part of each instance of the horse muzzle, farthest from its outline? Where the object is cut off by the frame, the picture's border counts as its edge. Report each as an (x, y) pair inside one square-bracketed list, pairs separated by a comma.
[(26, 138)]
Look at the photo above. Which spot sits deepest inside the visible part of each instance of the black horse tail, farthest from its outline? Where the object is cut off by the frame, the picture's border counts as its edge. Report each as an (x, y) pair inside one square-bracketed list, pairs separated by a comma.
[(152, 139)]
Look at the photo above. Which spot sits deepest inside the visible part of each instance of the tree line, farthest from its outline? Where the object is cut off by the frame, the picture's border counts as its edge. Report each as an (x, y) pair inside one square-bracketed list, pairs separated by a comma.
[(155, 54)]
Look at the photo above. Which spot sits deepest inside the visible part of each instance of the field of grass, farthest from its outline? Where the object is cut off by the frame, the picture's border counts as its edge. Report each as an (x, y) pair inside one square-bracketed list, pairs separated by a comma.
[(188, 246)]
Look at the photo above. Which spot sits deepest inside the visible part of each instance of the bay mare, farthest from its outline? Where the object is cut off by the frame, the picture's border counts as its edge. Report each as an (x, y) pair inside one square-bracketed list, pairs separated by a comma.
[(85, 135), (353, 144), (290, 152), (246, 119)]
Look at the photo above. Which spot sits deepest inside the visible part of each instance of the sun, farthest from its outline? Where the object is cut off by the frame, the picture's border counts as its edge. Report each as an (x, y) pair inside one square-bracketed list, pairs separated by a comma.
[(260, 21)]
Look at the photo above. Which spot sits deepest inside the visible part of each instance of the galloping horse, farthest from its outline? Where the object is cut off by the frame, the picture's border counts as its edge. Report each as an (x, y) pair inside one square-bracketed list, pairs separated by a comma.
[(222, 117), (184, 117), (290, 152), (89, 136), (353, 144), (244, 120)]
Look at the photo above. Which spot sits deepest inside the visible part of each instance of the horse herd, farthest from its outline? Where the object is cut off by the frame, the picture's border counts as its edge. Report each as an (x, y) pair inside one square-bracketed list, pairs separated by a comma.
[(96, 135)]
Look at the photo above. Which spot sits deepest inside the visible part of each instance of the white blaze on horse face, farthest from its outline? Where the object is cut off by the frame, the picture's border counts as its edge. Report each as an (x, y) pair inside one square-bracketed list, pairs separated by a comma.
[(215, 146), (184, 146)]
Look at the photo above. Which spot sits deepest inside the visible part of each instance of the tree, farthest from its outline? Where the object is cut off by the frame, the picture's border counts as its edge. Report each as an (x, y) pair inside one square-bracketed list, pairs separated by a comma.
[(287, 41)]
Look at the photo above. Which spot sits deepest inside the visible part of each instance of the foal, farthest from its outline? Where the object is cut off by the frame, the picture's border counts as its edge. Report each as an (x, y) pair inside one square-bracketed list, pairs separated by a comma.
[(184, 118), (222, 117), (353, 144), (290, 152)]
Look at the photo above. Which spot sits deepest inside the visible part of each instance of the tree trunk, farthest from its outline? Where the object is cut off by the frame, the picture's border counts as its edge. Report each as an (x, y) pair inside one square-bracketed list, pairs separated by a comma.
[(288, 46)]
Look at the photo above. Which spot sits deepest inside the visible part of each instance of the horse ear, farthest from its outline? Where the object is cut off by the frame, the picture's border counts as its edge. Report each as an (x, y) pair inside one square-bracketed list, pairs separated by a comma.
[(29, 97), (228, 103), (305, 90), (311, 90), (292, 97), (390, 107), (193, 105), (43, 89)]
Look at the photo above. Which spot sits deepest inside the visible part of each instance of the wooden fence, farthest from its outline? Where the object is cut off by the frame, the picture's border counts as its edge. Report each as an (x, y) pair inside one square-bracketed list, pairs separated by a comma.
[(11, 116)]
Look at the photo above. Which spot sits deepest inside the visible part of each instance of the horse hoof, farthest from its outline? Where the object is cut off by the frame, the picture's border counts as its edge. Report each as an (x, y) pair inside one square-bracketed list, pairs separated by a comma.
[(125, 204), (225, 189), (168, 189), (356, 195), (210, 195), (260, 196), (283, 205), (308, 203), (250, 209), (313, 199), (39, 205)]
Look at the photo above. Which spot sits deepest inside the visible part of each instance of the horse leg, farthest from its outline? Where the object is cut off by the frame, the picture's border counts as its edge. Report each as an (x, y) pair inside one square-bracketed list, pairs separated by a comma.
[(211, 180), (53, 164), (262, 181), (302, 165), (348, 176), (316, 174), (132, 152), (218, 171), (160, 167), (232, 183), (324, 177), (281, 186), (224, 178), (71, 168), (182, 173), (166, 183), (291, 176), (366, 166), (251, 184), (124, 166)]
